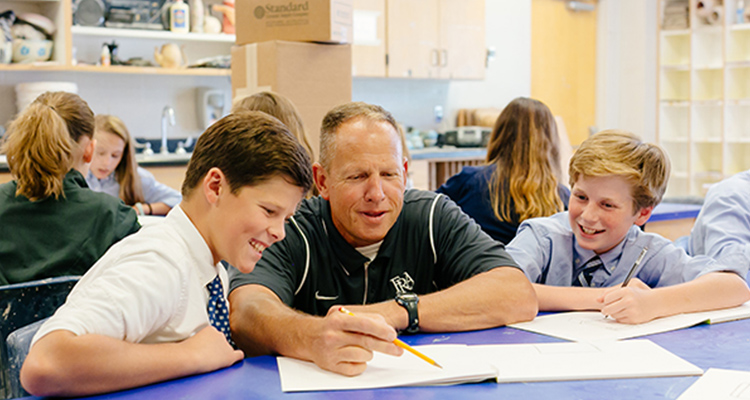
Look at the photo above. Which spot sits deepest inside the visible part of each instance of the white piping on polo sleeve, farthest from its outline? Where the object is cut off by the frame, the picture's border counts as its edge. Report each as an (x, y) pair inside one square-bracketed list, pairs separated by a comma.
[(307, 255), (432, 236)]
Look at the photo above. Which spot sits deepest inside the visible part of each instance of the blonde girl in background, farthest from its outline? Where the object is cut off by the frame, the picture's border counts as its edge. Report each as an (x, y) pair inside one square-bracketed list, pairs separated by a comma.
[(52, 224), (521, 178), (114, 171), (282, 109)]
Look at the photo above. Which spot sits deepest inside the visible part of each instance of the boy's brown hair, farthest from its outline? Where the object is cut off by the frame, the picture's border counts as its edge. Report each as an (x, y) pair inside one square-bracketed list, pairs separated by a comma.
[(249, 147), (614, 152)]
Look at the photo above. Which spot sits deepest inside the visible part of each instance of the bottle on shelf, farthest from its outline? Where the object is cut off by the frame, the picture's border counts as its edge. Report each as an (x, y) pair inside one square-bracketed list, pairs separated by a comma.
[(106, 57), (179, 17), (196, 16), (740, 16)]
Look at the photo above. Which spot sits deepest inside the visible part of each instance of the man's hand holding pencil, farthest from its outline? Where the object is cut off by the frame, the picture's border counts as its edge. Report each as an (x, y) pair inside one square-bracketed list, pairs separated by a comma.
[(346, 342)]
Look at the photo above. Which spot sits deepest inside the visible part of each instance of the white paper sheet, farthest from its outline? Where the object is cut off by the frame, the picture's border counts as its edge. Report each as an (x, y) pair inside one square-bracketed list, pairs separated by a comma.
[(719, 384), (460, 365), (585, 326), (580, 361)]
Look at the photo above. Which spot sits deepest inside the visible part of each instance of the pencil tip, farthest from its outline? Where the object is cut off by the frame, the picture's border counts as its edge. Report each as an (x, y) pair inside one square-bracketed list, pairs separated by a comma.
[(438, 365)]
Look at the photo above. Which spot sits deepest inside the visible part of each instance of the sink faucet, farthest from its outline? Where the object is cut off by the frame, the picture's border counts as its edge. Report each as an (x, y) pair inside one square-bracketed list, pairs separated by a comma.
[(167, 118)]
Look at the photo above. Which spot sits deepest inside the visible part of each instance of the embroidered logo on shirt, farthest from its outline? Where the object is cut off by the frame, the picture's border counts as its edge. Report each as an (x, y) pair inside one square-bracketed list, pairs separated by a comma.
[(319, 296), (403, 283)]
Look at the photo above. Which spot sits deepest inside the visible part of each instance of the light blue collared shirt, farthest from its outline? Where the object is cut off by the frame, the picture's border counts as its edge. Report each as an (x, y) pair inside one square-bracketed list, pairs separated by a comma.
[(153, 191), (722, 230), (547, 252)]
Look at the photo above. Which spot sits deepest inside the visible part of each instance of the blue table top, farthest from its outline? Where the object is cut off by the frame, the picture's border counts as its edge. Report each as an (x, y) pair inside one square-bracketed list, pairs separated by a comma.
[(725, 345), (672, 211)]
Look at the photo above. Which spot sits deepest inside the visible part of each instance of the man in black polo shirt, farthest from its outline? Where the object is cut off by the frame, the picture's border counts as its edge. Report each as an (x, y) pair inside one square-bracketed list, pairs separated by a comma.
[(398, 260)]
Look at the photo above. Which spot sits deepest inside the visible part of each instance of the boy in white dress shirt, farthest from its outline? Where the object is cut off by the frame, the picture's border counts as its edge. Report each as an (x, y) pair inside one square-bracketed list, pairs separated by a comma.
[(140, 315)]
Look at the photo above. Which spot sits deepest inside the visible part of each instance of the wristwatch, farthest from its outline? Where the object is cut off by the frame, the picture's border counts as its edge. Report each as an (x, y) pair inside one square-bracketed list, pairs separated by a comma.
[(409, 301)]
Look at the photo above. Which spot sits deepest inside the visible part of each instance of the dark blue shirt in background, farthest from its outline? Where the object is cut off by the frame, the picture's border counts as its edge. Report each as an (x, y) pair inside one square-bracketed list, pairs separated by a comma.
[(470, 190)]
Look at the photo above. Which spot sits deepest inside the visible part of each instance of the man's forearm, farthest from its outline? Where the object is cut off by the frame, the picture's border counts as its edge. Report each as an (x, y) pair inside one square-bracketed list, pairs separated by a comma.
[(262, 324), (498, 297)]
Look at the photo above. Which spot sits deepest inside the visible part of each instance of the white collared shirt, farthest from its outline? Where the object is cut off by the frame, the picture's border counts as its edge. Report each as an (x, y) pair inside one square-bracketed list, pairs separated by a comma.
[(148, 288)]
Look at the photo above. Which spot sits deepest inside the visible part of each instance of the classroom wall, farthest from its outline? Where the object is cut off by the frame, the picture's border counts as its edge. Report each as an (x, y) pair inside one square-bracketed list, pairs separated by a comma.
[(136, 98), (626, 66)]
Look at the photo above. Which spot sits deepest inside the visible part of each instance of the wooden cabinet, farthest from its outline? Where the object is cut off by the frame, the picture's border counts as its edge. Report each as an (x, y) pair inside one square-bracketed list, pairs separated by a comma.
[(441, 39), (704, 99), (78, 43), (368, 47)]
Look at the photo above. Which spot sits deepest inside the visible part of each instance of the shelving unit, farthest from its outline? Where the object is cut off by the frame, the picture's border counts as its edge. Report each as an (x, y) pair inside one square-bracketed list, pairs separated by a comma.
[(80, 43), (704, 99)]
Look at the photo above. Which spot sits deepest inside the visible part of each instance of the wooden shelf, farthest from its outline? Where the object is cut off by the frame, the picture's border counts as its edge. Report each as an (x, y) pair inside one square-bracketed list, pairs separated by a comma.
[(151, 34), (117, 69), (123, 69)]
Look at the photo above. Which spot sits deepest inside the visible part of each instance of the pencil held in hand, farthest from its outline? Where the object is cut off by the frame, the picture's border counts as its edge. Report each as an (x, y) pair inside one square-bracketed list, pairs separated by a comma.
[(398, 342), (633, 268)]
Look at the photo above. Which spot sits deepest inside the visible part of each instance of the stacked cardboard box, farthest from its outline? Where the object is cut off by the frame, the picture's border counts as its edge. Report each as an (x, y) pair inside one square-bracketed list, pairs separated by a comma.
[(299, 49)]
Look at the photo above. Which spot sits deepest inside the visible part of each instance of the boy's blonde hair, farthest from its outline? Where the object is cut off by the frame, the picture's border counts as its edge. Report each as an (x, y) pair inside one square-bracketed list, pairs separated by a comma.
[(614, 152)]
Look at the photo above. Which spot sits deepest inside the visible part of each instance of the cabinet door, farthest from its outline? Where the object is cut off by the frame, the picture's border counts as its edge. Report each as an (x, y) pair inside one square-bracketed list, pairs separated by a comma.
[(368, 48), (412, 39), (462, 39)]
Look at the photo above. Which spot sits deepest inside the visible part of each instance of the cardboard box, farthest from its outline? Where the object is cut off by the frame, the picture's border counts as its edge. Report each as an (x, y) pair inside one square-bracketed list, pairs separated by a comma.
[(328, 21), (315, 77)]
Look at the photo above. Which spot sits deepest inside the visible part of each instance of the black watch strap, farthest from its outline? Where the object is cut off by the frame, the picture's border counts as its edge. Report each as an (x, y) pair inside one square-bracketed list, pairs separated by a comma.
[(409, 301)]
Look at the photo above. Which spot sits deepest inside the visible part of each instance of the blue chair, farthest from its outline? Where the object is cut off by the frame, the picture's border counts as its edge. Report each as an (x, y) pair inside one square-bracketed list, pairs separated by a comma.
[(22, 304), (18, 345)]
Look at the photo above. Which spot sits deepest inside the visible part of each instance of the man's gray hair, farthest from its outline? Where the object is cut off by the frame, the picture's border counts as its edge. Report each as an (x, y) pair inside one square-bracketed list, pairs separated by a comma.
[(343, 113)]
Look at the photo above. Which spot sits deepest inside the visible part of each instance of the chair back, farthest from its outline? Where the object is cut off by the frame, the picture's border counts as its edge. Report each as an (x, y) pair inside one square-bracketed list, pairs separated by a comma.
[(24, 303), (18, 345)]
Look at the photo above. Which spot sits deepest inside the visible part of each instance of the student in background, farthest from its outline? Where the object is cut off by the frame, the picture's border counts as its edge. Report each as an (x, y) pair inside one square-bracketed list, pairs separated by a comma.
[(284, 110), (114, 171), (153, 307), (52, 224), (722, 229), (522, 177), (579, 259)]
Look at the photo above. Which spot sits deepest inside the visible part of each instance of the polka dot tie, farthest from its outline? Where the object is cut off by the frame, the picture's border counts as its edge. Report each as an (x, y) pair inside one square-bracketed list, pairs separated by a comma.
[(218, 312)]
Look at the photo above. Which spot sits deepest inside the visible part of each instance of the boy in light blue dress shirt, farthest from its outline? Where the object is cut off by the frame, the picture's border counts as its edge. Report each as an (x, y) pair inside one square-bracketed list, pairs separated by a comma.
[(722, 229), (578, 260)]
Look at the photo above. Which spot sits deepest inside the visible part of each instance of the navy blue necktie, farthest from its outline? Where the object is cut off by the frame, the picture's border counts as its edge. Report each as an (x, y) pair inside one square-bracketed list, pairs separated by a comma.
[(218, 312), (584, 277)]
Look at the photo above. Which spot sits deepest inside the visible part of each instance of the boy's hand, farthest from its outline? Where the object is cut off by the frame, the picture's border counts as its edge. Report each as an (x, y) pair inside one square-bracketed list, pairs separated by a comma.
[(211, 349), (629, 305), (345, 343)]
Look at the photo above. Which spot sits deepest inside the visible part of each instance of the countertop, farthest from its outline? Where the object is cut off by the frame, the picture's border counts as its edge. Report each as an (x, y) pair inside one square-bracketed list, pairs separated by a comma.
[(448, 152), (170, 159)]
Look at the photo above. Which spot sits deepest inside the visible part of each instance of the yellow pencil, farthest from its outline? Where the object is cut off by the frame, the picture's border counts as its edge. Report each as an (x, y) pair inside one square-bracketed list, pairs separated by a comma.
[(398, 342)]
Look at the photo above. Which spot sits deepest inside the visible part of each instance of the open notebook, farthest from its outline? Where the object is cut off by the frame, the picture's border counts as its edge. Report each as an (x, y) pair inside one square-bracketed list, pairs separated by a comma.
[(719, 384), (502, 363), (592, 325), (460, 365), (582, 361)]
